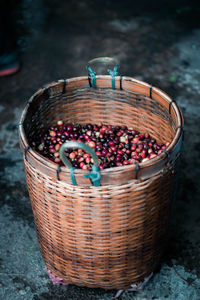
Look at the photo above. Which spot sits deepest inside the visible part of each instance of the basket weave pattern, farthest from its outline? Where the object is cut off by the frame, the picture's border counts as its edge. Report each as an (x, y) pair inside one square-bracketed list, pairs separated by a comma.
[(109, 236)]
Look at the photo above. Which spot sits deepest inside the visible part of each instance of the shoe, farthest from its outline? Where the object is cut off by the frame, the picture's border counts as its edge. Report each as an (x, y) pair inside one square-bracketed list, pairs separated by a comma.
[(9, 64)]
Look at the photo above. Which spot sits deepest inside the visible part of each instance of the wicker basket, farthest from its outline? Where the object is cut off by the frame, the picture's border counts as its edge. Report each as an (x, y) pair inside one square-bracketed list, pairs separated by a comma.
[(111, 235)]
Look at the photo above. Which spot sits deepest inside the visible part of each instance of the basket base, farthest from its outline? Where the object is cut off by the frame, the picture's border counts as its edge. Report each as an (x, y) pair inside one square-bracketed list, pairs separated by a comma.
[(134, 287)]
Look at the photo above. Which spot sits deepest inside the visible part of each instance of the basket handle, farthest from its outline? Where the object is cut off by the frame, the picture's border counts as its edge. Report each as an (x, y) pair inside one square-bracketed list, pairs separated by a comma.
[(94, 175), (112, 73), (104, 59)]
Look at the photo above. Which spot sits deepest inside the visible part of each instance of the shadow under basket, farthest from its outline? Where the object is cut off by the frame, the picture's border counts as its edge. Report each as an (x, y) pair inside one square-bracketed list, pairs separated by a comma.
[(112, 235)]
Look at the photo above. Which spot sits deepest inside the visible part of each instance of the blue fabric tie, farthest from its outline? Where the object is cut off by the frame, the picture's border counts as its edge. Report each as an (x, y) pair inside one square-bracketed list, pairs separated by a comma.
[(94, 175), (113, 73), (92, 76), (73, 176)]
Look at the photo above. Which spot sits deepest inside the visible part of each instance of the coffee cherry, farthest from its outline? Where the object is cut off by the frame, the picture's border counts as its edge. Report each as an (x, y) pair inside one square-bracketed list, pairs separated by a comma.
[(60, 123), (142, 154), (52, 133), (119, 133), (118, 158), (140, 136), (138, 150), (91, 144), (112, 164), (88, 160), (83, 166), (101, 166), (103, 129), (135, 140), (66, 134), (69, 127), (150, 150), (126, 162), (89, 126), (57, 147), (98, 153), (88, 133), (95, 127), (135, 156), (75, 135), (104, 152), (114, 145), (133, 148), (120, 152), (81, 159), (72, 155), (111, 143), (52, 150), (57, 160)]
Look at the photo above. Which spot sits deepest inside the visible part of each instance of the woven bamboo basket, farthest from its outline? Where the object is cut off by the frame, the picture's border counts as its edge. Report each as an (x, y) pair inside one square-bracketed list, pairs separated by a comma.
[(112, 235)]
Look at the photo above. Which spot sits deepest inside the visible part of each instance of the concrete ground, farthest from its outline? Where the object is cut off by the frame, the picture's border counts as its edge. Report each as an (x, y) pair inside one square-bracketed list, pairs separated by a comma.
[(158, 43)]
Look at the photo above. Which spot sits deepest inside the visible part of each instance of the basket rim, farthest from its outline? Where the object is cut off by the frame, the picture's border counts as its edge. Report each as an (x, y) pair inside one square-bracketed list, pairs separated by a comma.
[(45, 161)]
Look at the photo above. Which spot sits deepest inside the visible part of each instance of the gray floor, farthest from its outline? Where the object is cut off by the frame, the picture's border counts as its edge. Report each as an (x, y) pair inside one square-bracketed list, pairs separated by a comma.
[(160, 48)]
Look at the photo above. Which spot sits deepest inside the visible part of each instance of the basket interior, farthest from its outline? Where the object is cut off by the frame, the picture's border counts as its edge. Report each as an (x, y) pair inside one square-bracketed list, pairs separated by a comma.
[(102, 105)]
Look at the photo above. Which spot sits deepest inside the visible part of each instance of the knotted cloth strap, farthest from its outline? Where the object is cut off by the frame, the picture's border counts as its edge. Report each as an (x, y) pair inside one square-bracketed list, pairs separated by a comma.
[(94, 176), (113, 73), (92, 76)]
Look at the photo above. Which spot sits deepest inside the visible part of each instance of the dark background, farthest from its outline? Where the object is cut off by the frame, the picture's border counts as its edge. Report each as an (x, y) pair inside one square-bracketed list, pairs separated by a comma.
[(158, 42)]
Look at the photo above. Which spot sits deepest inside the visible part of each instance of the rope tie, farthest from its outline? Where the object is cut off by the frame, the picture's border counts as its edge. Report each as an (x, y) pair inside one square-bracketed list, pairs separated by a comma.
[(113, 73), (92, 75), (94, 176)]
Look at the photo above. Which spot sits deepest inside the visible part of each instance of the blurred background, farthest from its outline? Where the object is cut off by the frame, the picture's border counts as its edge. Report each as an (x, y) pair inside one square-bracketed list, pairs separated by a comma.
[(42, 41)]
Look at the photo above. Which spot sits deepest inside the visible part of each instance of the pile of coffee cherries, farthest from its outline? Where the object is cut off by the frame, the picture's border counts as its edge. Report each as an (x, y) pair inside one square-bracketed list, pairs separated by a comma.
[(114, 145)]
